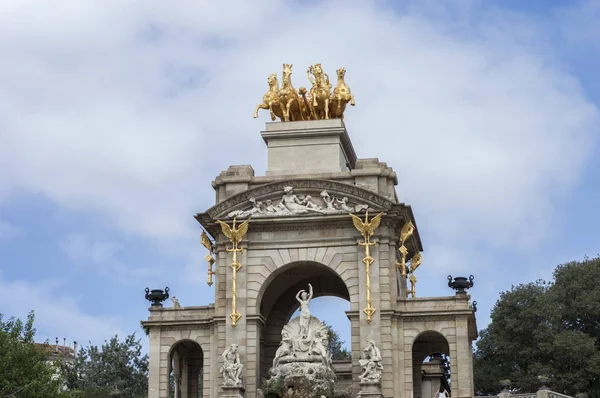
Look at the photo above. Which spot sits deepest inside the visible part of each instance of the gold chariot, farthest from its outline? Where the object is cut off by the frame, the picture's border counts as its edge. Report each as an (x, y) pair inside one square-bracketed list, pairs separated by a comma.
[(318, 103)]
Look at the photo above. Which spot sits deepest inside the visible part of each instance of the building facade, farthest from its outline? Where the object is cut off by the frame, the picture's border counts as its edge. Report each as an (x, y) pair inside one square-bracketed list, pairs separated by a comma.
[(300, 232)]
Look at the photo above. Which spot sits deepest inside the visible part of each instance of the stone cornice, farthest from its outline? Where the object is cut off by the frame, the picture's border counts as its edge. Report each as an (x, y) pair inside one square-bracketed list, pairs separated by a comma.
[(179, 324), (257, 319)]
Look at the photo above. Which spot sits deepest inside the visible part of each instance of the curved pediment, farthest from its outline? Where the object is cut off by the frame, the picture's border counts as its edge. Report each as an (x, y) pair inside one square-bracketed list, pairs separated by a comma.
[(300, 197)]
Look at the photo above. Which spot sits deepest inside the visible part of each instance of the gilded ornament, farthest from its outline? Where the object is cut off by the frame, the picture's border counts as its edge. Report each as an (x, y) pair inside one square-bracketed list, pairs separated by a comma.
[(235, 236), (210, 257), (367, 229), (414, 264), (405, 233), (318, 103), (271, 99)]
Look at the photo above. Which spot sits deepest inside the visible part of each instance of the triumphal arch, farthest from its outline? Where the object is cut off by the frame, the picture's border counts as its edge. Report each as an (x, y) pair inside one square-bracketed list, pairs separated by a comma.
[(321, 222)]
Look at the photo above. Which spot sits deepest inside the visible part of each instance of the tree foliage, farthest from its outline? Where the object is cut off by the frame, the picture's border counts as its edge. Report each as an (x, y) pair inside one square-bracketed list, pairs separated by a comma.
[(338, 352), (24, 372), (115, 368), (545, 329)]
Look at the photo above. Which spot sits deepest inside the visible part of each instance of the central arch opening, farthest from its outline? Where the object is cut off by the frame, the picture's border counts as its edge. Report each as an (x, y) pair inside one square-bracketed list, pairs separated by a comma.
[(278, 302)]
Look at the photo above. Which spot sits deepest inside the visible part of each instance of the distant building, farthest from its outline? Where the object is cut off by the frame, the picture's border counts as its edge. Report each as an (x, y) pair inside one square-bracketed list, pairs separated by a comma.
[(57, 352)]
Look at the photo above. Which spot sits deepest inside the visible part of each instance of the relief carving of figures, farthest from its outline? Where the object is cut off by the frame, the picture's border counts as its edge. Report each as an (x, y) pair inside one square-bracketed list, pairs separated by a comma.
[(290, 205), (232, 367), (371, 363)]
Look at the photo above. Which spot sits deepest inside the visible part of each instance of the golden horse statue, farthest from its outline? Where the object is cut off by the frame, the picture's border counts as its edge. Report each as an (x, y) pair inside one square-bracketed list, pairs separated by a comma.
[(319, 103), (271, 99), (289, 99), (319, 94), (341, 96)]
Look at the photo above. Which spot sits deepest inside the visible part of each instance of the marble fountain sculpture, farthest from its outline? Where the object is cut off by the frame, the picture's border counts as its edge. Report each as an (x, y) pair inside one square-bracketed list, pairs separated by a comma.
[(303, 357)]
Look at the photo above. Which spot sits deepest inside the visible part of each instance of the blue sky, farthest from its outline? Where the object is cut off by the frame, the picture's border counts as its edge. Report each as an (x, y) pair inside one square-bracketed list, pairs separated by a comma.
[(115, 118)]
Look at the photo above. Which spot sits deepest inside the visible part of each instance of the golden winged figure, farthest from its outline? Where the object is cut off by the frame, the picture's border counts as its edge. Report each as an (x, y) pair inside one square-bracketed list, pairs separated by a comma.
[(407, 231), (234, 234), (415, 262), (367, 228), (206, 241)]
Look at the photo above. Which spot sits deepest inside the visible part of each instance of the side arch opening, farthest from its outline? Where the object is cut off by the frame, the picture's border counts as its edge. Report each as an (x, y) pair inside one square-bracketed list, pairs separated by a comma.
[(186, 363), (431, 364)]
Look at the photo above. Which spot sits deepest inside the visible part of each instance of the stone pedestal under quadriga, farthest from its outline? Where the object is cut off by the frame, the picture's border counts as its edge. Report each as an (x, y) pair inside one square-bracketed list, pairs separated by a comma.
[(300, 232)]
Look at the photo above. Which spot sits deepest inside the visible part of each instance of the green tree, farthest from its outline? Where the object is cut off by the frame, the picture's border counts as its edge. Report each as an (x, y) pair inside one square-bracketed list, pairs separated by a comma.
[(115, 368), (338, 352), (24, 372), (545, 329)]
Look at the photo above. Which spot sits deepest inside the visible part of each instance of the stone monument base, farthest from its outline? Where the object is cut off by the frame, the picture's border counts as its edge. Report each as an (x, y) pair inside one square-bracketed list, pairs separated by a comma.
[(304, 378), (232, 392), (370, 389)]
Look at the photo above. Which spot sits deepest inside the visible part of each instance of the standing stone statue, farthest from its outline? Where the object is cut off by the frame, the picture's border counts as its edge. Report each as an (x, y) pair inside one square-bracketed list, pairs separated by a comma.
[(304, 300), (371, 363), (232, 367)]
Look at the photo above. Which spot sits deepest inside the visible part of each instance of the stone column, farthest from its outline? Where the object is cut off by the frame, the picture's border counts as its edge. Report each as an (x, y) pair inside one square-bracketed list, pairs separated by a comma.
[(185, 374), (253, 353), (463, 359), (355, 346), (154, 365), (239, 334), (176, 374)]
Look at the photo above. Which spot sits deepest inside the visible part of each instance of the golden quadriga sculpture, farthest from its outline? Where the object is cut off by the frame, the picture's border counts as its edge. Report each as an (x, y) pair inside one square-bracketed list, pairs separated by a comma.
[(320, 102)]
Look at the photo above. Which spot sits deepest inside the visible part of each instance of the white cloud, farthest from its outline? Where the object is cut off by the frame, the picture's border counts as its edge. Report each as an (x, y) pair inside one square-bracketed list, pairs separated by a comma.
[(8, 230), (130, 109), (102, 257), (56, 313)]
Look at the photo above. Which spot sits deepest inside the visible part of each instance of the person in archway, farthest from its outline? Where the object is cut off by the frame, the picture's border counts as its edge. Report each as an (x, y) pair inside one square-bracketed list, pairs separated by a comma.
[(441, 393), (304, 299)]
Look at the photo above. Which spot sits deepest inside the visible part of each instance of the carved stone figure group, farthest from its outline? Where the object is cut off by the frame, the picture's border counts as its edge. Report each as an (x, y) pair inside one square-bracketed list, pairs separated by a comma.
[(287, 104), (371, 363), (232, 367), (291, 204), (304, 339)]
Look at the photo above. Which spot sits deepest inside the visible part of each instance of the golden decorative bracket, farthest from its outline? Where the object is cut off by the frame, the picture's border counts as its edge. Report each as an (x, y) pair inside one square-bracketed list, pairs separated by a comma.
[(405, 233), (210, 257), (414, 264), (367, 229), (235, 236)]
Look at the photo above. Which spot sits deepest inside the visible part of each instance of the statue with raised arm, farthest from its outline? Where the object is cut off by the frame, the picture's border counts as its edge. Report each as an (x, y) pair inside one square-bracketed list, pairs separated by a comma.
[(304, 299), (232, 367)]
